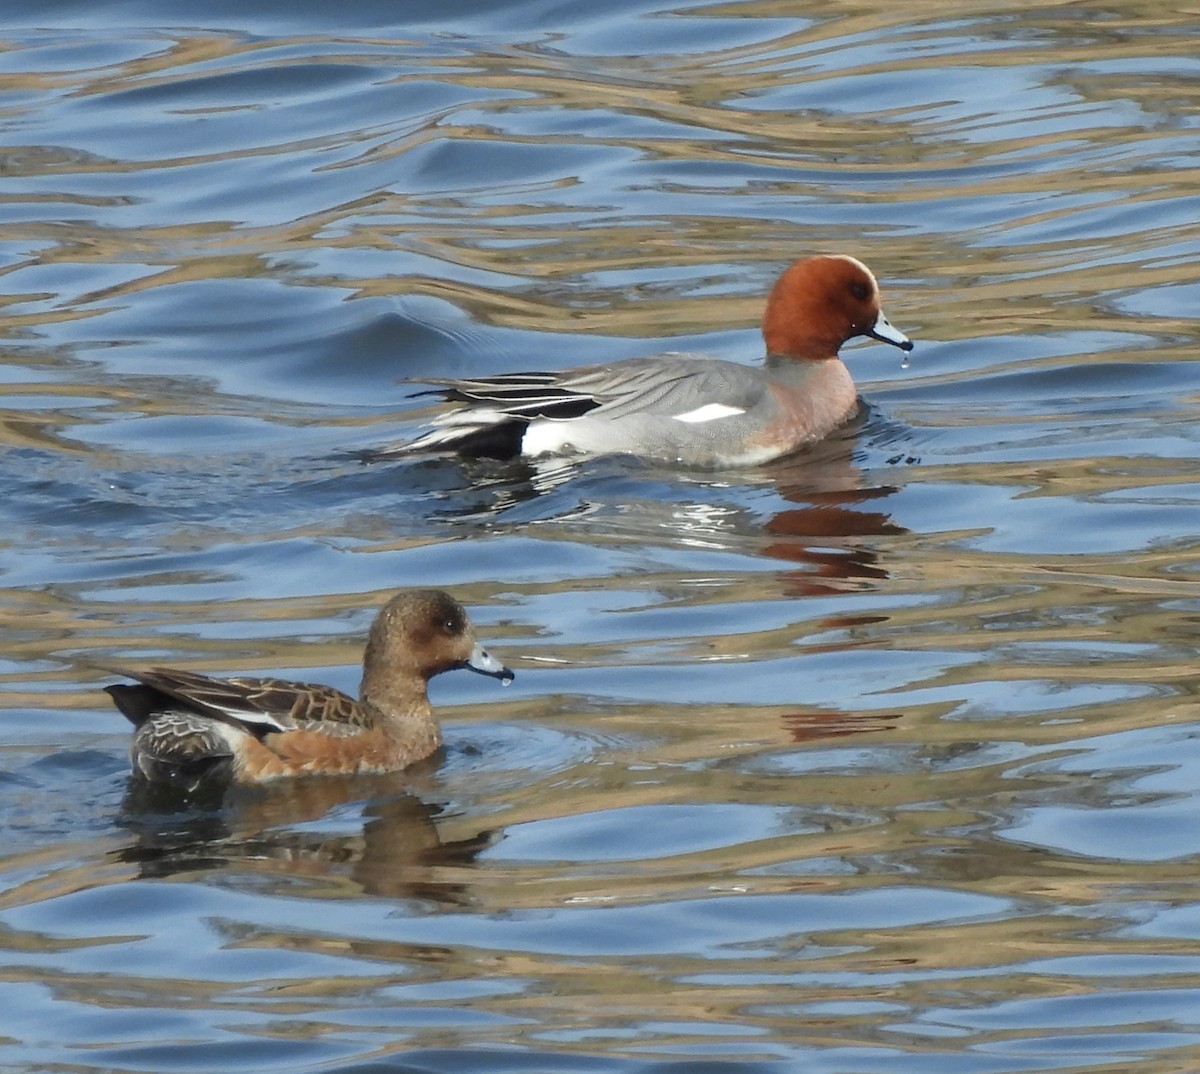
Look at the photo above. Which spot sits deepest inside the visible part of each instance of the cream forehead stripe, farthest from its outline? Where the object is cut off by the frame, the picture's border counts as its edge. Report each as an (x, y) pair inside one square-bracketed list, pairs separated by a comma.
[(858, 264)]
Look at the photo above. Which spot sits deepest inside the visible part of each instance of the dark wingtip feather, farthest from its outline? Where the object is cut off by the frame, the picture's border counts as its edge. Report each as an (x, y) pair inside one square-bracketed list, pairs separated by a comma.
[(136, 703), (501, 441)]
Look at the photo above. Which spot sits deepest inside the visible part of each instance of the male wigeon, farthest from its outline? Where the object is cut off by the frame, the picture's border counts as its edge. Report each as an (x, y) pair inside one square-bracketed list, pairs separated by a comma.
[(192, 729), (687, 409)]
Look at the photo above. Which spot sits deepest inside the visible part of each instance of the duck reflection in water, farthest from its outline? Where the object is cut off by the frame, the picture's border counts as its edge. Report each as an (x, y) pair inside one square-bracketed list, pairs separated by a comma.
[(828, 531), (361, 833)]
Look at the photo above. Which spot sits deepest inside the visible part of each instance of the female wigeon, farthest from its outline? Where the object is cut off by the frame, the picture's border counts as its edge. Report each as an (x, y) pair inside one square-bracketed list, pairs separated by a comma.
[(684, 408), (192, 729)]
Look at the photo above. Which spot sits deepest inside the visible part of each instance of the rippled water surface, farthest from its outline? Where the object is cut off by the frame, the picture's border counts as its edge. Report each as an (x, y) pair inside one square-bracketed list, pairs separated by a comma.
[(881, 758)]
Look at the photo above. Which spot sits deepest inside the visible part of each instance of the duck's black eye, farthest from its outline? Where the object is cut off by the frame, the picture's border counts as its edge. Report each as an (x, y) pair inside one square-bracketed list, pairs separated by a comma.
[(860, 290), (446, 615)]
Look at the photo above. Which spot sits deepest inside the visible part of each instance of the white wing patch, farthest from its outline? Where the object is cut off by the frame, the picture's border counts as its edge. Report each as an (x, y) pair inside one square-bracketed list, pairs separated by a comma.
[(709, 412)]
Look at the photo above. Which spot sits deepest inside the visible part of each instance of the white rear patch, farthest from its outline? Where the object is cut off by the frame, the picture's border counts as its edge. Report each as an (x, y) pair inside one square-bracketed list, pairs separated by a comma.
[(547, 437), (709, 412)]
